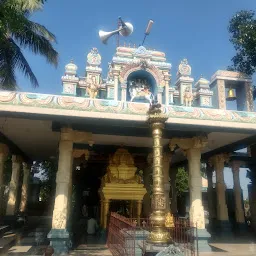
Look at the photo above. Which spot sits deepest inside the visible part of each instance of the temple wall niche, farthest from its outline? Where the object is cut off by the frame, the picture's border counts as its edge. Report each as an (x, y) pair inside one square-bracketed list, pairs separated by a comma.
[(141, 87)]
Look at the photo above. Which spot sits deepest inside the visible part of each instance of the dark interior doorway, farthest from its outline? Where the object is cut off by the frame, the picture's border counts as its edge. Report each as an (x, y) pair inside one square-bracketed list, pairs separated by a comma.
[(86, 200)]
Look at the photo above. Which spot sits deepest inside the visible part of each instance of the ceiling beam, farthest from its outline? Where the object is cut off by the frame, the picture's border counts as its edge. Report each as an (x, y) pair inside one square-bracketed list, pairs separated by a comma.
[(124, 128), (110, 149), (230, 148)]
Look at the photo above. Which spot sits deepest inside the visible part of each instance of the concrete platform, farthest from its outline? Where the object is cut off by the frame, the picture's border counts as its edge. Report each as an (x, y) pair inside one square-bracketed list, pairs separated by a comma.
[(232, 249)]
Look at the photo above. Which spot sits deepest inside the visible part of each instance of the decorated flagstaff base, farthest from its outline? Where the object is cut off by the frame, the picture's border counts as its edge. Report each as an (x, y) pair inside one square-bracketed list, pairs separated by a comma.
[(119, 142)]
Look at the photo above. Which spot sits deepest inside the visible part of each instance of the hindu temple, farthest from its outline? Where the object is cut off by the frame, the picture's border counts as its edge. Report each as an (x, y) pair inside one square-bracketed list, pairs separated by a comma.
[(97, 132)]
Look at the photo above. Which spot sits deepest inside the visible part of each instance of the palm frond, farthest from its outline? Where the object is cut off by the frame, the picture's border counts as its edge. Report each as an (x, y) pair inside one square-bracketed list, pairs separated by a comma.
[(42, 30), (7, 72), (38, 39), (11, 58), (26, 5), (17, 32)]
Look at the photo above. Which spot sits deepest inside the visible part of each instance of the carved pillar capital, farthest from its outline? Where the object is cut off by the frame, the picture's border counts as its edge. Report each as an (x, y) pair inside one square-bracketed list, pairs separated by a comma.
[(217, 161), (68, 134), (191, 146), (16, 159), (198, 142), (77, 153)]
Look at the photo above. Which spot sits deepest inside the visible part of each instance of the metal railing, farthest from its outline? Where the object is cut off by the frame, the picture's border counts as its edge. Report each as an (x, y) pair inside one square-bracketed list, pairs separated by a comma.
[(125, 234), (121, 235)]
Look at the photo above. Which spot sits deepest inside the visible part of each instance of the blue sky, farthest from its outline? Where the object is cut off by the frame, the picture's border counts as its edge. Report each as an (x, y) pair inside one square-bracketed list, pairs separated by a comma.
[(195, 29), (192, 29)]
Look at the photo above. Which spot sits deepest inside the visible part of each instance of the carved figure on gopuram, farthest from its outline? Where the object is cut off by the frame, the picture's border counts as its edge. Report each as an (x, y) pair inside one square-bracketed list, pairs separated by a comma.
[(140, 89), (188, 97), (93, 57), (184, 68), (92, 87)]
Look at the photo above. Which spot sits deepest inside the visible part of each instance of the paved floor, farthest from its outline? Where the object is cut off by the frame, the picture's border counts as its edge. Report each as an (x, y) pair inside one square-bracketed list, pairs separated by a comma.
[(35, 241), (224, 249), (230, 249)]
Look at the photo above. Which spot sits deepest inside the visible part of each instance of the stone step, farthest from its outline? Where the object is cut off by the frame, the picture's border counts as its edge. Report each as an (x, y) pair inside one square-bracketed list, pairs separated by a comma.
[(6, 241), (91, 247), (91, 252), (4, 229)]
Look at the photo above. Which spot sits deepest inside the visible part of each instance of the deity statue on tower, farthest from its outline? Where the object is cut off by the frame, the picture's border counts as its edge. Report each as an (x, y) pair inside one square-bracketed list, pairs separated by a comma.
[(140, 89)]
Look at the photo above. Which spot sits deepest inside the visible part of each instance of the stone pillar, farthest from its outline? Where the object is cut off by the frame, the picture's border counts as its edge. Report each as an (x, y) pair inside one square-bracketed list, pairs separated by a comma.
[(192, 148), (3, 156), (174, 209), (166, 166), (160, 94), (24, 188), (222, 210), (167, 97), (123, 93), (139, 208), (210, 197), (195, 186), (101, 212), (13, 187), (106, 209), (221, 94), (240, 220), (116, 74), (249, 96), (59, 236)]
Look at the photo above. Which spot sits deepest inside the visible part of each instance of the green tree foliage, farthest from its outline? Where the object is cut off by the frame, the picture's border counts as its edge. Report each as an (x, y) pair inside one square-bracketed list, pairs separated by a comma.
[(46, 171), (18, 32), (242, 29), (181, 181)]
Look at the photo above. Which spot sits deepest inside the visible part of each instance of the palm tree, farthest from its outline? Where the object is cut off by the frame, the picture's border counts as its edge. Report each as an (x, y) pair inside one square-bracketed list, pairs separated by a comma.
[(17, 32)]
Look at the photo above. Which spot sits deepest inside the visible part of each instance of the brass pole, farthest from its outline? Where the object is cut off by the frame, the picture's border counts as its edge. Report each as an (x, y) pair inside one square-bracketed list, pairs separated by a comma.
[(159, 233)]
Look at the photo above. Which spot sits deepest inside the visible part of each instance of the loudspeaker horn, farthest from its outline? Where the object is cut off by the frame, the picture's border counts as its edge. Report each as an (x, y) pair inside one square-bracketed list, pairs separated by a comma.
[(125, 29)]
